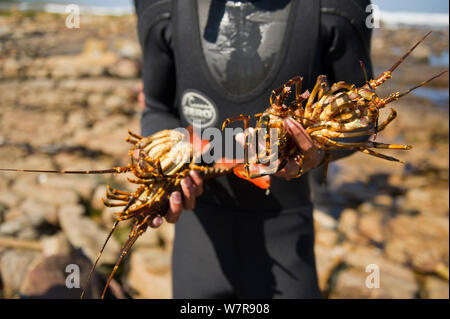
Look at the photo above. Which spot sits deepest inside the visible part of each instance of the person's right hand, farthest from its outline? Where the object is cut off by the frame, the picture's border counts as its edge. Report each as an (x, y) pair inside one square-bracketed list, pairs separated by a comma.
[(191, 188)]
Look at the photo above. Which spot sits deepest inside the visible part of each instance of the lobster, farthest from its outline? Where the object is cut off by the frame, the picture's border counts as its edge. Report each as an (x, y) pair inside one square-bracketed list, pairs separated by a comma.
[(159, 163), (341, 111)]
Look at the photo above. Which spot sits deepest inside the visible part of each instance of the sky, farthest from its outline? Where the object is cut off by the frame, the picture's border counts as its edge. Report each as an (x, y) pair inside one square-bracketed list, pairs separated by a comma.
[(428, 6)]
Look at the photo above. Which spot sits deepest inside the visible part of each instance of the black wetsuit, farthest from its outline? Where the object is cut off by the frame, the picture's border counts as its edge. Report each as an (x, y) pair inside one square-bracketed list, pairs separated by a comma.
[(208, 60)]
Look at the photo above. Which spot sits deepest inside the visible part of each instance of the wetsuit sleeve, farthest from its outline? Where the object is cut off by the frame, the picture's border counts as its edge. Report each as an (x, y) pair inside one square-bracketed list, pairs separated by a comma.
[(346, 41), (158, 75)]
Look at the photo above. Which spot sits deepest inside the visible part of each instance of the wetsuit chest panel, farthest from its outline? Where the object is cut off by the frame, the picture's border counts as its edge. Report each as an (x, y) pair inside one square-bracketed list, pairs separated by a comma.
[(241, 40)]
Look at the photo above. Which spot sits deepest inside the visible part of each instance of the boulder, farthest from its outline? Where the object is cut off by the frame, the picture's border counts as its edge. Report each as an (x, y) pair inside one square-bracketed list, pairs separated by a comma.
[(14, 265), (149, 273), (83, 233)]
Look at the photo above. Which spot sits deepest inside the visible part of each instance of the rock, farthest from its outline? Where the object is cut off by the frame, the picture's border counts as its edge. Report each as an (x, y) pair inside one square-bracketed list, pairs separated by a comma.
[(52, 195), (151, 238), (83, 233), (84, 185), (126, 69), (351, 283), (19, 227), (56, 245), (10, 199), (72, 210), (14, 265), (48, 277), (149, 273), (422, 53), (98, 196), (359, 257), (357, 192), (436, 288), (167, 235), (429, 201), (418, 240), (327, 260), (348, 225), (383, 200), (11, 68), (114, 103), (326, 237), (371, 226), (94, 47), (324, 220), (127, 49), (39, 213)]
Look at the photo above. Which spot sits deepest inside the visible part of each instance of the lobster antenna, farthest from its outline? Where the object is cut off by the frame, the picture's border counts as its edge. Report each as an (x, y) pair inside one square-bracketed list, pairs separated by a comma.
[(364, 70), (396, 96), (126, 247), (116, 222), (387, 74), (105, 171), (407, 53), (422, 84), (98, 258)]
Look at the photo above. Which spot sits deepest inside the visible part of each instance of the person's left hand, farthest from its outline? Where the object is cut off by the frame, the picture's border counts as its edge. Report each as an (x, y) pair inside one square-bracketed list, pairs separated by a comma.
[(312, 155)]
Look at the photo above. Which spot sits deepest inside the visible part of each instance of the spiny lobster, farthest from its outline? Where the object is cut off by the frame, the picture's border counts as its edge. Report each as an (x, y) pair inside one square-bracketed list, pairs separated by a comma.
[(159, 163), (341, 111)]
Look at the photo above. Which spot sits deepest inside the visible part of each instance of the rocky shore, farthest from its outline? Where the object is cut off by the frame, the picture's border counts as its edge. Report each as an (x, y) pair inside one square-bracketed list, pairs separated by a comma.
[(68, 97)]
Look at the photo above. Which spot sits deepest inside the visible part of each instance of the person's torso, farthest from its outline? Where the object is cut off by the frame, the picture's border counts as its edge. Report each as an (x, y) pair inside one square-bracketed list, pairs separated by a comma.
[(229, 57)]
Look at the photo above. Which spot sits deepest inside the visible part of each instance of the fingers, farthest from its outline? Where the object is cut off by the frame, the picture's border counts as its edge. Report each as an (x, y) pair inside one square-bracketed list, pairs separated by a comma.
[(187, 186), (197, 182), (290, 170), (175, 207), (156, 222), (301, 137), (312, 156)]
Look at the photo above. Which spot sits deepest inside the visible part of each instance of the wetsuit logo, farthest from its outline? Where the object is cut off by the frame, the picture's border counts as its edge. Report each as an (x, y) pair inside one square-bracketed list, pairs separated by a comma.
[(197, 107)]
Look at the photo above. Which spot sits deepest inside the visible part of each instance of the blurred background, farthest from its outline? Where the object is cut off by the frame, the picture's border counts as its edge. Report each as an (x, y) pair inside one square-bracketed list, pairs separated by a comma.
[(68, 97)]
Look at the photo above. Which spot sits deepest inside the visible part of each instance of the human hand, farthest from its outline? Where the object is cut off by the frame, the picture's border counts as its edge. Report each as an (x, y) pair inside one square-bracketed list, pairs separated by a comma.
[(312, 157), (191, 188)]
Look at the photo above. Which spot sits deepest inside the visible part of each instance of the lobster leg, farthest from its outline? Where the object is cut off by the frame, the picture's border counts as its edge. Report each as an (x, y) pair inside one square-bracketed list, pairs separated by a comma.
[(246, 120), (313, 95), (265, 119), (109, 204), (116, 191), (344, 145), (376, 154), (298, 89), (342, 85), (135, 135)]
